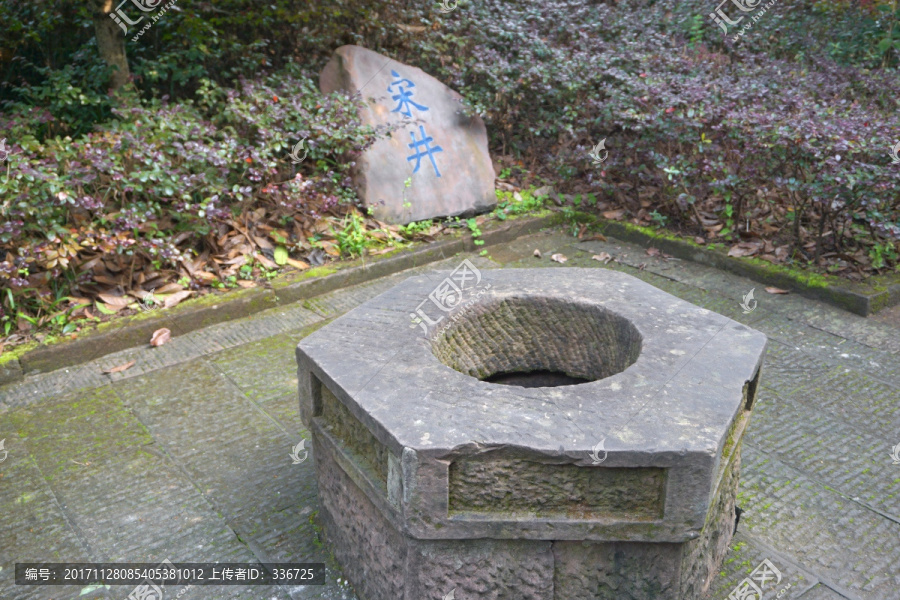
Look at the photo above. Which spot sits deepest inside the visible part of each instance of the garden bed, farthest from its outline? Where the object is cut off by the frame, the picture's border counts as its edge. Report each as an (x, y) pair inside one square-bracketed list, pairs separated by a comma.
[(773, 145)]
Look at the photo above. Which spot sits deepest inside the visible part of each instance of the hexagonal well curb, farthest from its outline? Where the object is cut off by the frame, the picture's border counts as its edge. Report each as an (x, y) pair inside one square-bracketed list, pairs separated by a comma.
[(528, 433)]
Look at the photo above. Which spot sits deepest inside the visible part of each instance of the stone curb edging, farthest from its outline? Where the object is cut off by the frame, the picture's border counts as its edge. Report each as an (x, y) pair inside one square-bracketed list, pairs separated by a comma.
[(136, 331), (864, 298)]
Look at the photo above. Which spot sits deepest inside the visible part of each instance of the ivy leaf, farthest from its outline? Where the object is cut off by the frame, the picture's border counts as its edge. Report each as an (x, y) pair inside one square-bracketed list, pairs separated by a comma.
[(281, 255), (105, 309)]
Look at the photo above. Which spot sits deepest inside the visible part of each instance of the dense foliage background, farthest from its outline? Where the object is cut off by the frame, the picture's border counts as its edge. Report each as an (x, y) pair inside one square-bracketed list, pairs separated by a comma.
[(774, 143)]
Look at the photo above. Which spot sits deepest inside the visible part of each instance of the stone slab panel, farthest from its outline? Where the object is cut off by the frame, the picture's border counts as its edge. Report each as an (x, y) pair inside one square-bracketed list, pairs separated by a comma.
[(841, 541), (859, 398), (263, 370), (284, 411), (517, 486), (34, 526), (745, 554), (788, 368), (822, 592), (702, 557), (805, 438), (138, 507), (47, 387), (224, 443)]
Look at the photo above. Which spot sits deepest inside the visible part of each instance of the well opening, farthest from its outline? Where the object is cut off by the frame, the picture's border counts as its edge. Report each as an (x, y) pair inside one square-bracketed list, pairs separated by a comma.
[(534, 379), (538, 341)]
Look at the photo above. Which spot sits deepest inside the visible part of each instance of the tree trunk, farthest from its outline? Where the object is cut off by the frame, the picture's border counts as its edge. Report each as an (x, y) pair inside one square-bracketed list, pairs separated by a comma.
[(111, 43)]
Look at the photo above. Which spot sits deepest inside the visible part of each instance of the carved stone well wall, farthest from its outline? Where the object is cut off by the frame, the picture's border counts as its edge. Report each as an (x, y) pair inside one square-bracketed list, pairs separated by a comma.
[(552, 434)]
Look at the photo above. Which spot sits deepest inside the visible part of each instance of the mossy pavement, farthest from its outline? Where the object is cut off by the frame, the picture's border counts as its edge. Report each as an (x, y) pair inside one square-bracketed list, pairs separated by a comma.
[(186, 455)]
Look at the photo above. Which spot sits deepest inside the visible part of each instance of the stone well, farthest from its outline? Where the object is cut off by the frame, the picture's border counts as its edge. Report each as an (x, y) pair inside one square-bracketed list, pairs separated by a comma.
[(545, 434)]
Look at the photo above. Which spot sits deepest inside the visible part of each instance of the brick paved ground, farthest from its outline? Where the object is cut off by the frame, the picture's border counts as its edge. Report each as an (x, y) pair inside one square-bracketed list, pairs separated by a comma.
[(185, 456)]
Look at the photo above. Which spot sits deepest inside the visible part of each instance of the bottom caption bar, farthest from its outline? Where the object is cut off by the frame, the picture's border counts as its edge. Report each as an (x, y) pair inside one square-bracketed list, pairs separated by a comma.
[(168, 573)]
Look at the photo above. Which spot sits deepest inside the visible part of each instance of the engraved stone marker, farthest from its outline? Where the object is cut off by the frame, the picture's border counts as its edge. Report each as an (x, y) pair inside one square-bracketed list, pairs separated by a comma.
[(441, 152)]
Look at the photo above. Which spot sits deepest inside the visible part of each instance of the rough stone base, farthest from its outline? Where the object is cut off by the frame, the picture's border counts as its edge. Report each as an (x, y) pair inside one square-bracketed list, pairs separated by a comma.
[(647, 571), (701, 558), (616, 571), (385, 564), (368, 547)]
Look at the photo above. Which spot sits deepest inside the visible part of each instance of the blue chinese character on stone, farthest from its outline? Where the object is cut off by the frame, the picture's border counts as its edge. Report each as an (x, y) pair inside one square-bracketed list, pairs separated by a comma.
[(404, 96), (429, 151)]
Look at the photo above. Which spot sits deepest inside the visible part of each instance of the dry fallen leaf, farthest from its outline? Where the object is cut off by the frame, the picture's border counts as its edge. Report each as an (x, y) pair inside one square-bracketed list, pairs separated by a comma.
[(120, 368), (261, 259), (537, 253), (237, 260), (775, 290), (560, 258), (744, 249), (246, 283), (597, 237), (603, 257), (100, 278), (142, 295), (298, 264), (263, 243), (206, 276), (170, 288), (115, 302), (175, 298), (411, 28), (160, 337)]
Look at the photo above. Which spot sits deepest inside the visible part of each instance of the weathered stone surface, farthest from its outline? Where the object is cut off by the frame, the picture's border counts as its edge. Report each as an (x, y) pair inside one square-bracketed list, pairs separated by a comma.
[(490, 569), (700, 558), (527, 488), (384, 563), (450, 175), (367, 544), (820, 492), (435, 460), (617, 571)]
